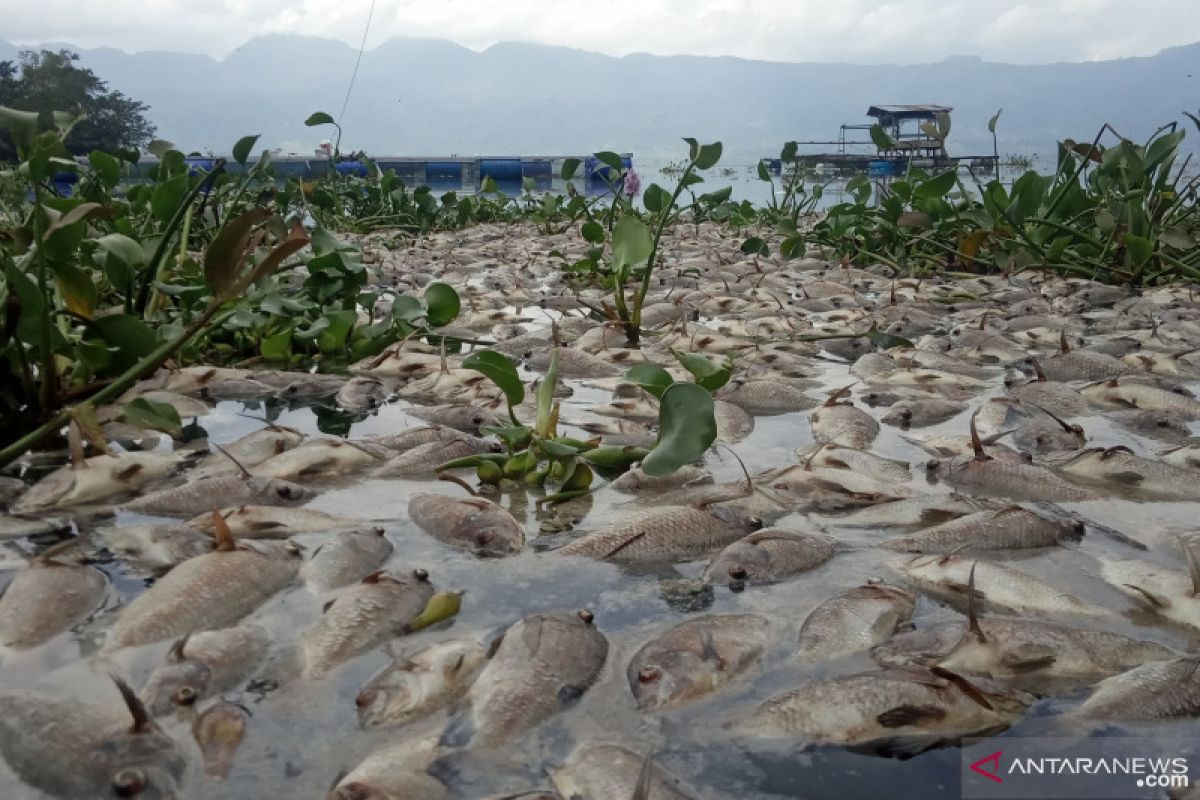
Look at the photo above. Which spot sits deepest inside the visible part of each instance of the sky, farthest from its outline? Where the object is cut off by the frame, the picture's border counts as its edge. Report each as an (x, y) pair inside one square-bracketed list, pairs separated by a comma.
[(855, 31)]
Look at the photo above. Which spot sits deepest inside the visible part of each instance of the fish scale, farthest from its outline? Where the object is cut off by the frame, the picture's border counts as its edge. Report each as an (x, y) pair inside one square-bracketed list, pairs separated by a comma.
[(666, 533)]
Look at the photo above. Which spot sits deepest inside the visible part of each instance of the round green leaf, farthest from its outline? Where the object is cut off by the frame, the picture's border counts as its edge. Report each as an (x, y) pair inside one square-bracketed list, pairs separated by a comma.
[(241, 150), (442, 304), (593, 232), (651, 377), (656, 198), (707, 374), (319, 118), (143, 413), (687, 427), (501, 371), (632, 242)]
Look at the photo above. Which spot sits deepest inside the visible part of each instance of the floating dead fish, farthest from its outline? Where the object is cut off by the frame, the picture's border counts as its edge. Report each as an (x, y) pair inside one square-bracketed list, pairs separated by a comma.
[(273, 522), (310, 387), (854, 621), (835, 456), (1186, 456), (96, 479), (1161, 425), (768, 556), (47, 597), (663, 534), (320, 458), (610, 772), (346, 558), (218, 731), (1120, 394), (406, 440), (920, 413), (922, 511), (216, 491), (363, 617), (72, 750), (543, 664), (636, 481), (1011, 528), (1169, 593), (424, 458), (837, 422), (1119, 468), (155, 548), (204, 665), (694, 659), (209, 591), (361, 394), (417, 685), (394, 772), (248, 451), (1159, 690), (733, 422), (764, 398), (475, 523), (467, 419)]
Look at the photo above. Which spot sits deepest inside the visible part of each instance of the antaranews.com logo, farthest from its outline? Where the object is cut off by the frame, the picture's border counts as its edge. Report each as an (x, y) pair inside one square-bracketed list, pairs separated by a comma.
[(1097, 768)]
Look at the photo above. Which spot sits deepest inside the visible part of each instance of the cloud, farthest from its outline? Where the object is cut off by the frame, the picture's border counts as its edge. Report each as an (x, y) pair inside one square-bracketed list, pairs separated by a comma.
[(867, 31)]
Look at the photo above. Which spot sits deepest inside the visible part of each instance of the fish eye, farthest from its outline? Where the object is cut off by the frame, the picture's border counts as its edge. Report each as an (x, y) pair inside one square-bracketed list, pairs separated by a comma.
[(649, 674), (420, 574), (284, 491), (185, 696), (587, 616), (737, 572), (129, 782)]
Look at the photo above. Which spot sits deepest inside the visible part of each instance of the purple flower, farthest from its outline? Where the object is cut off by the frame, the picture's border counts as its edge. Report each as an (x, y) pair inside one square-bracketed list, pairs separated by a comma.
[(633, 184)]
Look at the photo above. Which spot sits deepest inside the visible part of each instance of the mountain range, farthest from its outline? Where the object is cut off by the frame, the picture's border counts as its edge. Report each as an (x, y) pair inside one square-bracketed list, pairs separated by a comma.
[(431, 97)]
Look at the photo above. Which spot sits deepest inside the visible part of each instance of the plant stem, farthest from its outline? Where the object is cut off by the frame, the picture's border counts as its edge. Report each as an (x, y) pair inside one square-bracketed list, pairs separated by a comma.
[(49, 372)]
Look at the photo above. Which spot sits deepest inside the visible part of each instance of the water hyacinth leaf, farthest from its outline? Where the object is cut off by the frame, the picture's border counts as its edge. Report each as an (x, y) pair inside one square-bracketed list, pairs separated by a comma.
[(610, 159), (937, 186), (881, 139), (277, 347), (143, 413), (764, 174), (333, 338), (442, 304), (569, 168), (788, 153), (107, 168), (22, 126), (501, 371), (690, 179), (514, 437), (792, 247), (651, 377), (160, 147), (76, 215), (614, 458), (708, 156), (241, 150), (129, 251), (656, 198), (77, 289), (593, 232), (319, 326), (1139, 248), (992, 122), (707, 374), (632, 242), (84, 417), (886, 341), (545, 397), (167, 196), (407, 309), (687, 427), (754, 246), (225, 255), (318, 118), (295, 242), (130, 338)]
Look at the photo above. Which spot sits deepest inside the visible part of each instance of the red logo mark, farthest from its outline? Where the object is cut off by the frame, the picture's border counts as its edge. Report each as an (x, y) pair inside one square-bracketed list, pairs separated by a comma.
[(994, 760)]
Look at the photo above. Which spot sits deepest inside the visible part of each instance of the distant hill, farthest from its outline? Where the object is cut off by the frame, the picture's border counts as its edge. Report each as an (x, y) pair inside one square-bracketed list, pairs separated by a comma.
[(425, 97)]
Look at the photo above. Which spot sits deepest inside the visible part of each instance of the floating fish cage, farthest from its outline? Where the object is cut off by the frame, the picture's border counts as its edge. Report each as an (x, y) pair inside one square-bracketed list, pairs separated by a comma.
[(511, 174)]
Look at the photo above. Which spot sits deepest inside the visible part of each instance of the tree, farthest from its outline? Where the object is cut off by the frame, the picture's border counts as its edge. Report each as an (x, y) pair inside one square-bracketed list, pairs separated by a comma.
[(51, 81)]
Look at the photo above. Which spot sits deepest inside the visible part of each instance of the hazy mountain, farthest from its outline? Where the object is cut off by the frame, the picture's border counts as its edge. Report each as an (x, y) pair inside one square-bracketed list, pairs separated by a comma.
[(427, 97)]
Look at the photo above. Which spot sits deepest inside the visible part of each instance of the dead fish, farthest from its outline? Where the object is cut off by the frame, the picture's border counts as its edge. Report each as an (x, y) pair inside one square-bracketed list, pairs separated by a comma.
[(407, 439), (895, 710), (543, 664), (273, 522), (768, 556), (402, 361), (922, 511), (1161, 425), (695, 658), (835, 456), (837, 422), (96, 479), (610, 772), (620, 432), (467, 419), (475, 523), (642, 409), (997, 587), (248, 451), (1186, 456), (920, 413), (424, 458), (310, 387), (854, 621), (210, 591), (361, 394), (1082, 365), (765, 397), (1044, 432), (72, 751), (346, 558), (1120, 468), (1159, 690), (204, 494), (205, 664), (15, 526), (1120, 394), (733, 422), (47, 597), (572, 363), (155, 548), (186, 407), (663, 534), (1011, 528), (636, 481), (363, 617), (219, 730), (1054, 396), (1161, 363), (810, 488), (395, 772), (415, 686), (1169, 593), (235, 389), (320, 458)]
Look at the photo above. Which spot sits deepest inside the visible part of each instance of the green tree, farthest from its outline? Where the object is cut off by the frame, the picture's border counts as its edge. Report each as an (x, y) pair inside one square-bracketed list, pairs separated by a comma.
[(50, 81)]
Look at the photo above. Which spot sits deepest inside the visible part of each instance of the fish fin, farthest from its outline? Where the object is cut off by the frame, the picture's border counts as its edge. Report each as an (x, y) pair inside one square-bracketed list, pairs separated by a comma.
[(1127, 477), (1155, 601), (570, 694), (137, 709), (265, 525), (221, 533), (965, 685), (328, 605), (1037, 370), (936, 516), (628, 541), (709, 649), (976, 444), (1193, 565), (902, 716), (245, 472), (837, 394), (1029, 658), (128, 472), (973, 628), (645, 777), (373, 577), (176, 652), (1063, 347)]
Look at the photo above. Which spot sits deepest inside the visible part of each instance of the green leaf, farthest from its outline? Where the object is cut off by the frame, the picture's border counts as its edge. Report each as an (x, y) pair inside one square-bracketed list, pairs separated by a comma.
[(792, 247), (442, 304), (610, 159), (277, 347), (754, 246), (514, 437), (708, 374), (76, 215), (333, 338), (77, 289), (937, 186), (708, 156), (593, 232), (881, 139), (651, 377), (106, 167), (241, 150), (407, 309), (687, 427), (789, 151), (656, 198), (160, 147), (21, 125), (886, 341), (690, 180), (992, 122), (227, 253), (569, 167), (167, 196), (143, 413), (614, 457), (129, 336), (764, 174), (1139, 248), (632, 243), (319, 118), (545, 397), (501, 371)]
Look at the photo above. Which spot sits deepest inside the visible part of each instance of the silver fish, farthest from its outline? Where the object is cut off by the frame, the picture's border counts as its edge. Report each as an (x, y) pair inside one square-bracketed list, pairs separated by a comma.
[(96, 479), (362, 618), (920, 413), (1127, 394), (247, 451), (415, 686), (47, 597), (854, 621), (733, 422), (475, 523), (346, 558), (1169, 593), (764, 397), (204, 665), (1011, 528), (321, 457), (636, 481), (273, 522), (422, 459), (610, 772), (219, 491), (156, 548), (836, 456), (922, 511), (361, 394), (1158, 690), (767, 556), (543, 664), (836, 422), (394, 772), (694, 659), (663, 534), (466, 419), (1118, 467)]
